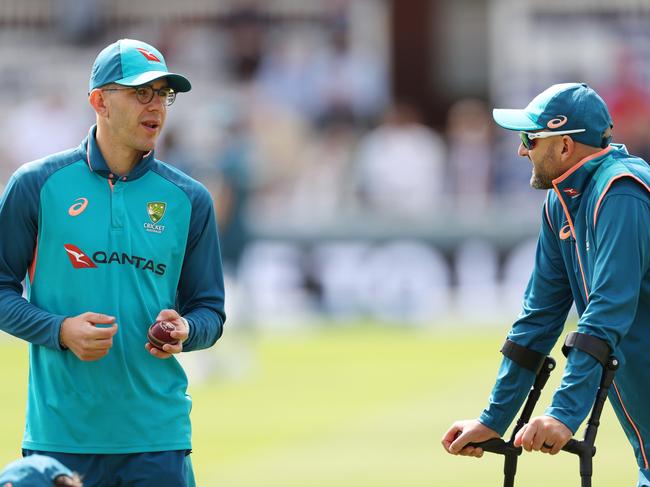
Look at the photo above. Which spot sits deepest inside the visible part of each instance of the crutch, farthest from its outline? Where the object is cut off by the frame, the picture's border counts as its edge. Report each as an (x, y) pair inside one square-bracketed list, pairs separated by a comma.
[(507, 449), (585, 448)]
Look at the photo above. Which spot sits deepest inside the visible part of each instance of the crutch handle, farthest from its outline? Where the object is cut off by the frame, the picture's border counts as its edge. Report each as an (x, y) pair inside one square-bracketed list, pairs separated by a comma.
[(579, 448), (506, 448), (498, 446)]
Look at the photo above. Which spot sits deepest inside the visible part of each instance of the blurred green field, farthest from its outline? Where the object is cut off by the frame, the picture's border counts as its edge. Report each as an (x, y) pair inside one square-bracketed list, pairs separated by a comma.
[(346, 406)]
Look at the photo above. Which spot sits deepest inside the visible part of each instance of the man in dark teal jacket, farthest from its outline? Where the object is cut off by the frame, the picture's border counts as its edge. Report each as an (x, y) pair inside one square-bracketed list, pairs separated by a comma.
[(594, 251)]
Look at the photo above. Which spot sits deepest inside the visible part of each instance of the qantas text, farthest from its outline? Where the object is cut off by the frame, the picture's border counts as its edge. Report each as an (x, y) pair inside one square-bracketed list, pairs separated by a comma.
[(123, 258)]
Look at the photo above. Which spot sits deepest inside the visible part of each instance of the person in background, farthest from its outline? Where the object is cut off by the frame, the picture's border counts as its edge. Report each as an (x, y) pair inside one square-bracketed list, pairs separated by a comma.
[(38, 471), (469, 156), (401, 166)]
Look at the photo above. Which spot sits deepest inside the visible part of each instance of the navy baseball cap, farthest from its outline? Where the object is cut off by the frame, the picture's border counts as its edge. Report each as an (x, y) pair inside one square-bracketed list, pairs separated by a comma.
[(565, 106), (33, 471), (133, 63)]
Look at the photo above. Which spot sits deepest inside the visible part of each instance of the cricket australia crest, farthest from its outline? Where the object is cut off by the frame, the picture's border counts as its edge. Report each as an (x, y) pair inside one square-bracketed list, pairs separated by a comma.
[(156, 211)]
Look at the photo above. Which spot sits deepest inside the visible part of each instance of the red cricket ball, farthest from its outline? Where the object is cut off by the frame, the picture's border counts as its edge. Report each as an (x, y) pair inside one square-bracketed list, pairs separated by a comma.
[(159, 334)]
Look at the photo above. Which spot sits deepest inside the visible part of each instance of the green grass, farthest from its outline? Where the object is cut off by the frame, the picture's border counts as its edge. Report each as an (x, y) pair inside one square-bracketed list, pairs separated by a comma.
[(346, 406)]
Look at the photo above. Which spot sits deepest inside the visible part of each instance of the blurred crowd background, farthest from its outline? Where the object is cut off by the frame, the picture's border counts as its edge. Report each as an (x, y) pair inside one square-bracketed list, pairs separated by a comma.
[(348, 144)]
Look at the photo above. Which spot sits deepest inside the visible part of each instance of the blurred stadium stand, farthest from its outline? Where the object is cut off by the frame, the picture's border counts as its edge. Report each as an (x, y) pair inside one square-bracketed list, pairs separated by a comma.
[(348, 143)]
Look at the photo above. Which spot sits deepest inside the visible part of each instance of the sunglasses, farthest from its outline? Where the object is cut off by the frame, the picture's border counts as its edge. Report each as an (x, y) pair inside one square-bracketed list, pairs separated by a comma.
[(528, 138)]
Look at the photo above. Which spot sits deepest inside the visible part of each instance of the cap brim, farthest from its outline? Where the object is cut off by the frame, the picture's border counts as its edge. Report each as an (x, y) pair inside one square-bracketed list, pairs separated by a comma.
[(176, 81), (513, 119)]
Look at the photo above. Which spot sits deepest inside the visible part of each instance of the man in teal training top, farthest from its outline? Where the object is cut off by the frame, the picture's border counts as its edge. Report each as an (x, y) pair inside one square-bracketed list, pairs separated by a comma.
[(108, 240), (594, 251)]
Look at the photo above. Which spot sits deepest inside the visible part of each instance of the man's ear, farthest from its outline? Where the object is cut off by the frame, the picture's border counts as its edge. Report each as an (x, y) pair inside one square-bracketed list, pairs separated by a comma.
[(568, 147), (98, 102)]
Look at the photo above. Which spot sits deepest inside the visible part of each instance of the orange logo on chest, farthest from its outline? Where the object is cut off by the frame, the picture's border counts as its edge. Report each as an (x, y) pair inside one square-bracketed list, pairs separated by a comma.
[(565, 232), (78, 207)]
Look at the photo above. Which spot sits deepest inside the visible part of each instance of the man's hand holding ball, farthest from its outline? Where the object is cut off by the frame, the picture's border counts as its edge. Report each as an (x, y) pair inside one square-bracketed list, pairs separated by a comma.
[(167, 334)]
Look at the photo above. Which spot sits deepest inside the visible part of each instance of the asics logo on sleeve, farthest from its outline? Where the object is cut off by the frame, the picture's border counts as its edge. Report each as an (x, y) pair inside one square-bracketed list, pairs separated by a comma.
[(78, 207), (78, 259)]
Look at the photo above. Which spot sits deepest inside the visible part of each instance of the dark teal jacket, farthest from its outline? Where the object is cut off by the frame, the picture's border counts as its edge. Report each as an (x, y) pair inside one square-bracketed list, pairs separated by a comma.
[(594, 251)]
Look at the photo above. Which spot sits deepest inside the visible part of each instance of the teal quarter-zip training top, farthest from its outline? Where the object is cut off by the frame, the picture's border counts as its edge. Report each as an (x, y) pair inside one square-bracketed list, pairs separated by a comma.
[(83, 240), (594, 251)]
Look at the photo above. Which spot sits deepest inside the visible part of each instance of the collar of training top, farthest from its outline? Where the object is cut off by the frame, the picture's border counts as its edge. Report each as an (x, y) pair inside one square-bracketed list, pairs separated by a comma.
[(97, 163)]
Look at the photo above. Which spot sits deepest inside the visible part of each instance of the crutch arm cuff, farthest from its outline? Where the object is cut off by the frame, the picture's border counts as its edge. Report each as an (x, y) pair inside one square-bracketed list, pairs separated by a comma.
[(523, 356), (594, 346)]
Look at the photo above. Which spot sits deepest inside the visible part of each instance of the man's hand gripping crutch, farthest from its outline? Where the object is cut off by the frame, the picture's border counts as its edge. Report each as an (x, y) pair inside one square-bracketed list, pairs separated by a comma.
[(454, 440), (523, 433)]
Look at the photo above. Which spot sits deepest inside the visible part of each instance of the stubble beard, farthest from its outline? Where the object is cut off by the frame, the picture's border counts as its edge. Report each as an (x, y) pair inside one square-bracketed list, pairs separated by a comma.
[(538, 179)]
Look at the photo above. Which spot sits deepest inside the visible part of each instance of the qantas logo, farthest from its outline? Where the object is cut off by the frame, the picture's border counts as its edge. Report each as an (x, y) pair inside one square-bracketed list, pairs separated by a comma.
[(78, 207), (148, 55), (573, 193), (557, 122), (80, 260)]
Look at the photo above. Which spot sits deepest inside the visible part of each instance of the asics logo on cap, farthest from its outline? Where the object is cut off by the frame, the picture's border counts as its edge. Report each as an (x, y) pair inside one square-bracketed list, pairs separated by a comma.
[(148, 55), (557, 122)]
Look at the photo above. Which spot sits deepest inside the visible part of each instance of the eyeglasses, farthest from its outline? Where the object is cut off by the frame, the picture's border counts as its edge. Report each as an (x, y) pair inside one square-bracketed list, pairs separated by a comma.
[(528, 138), (145, 93)]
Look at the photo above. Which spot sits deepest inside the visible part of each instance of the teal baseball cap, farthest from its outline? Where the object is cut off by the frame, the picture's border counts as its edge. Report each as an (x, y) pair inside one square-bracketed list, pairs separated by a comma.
[(563, 107), (133, 63), (33, 471)]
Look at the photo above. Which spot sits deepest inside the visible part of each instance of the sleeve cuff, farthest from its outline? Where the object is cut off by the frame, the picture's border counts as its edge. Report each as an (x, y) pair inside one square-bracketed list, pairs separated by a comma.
[(189, 327), (564, 418), (487, 420), (59, 344)]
